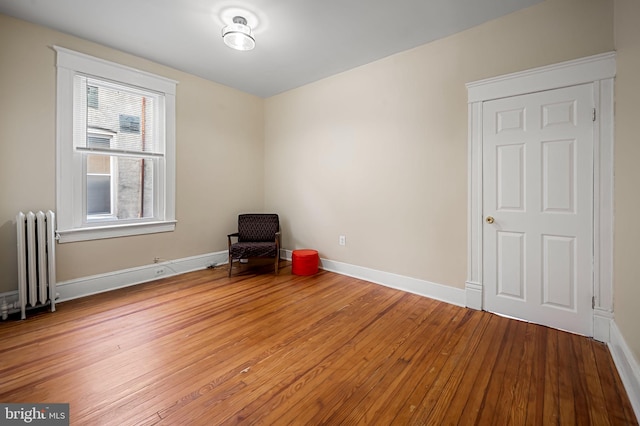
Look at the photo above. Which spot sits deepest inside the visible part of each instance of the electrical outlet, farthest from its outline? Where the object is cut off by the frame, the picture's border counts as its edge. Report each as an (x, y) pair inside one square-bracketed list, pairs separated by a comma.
[(342, 240), (159, 271)]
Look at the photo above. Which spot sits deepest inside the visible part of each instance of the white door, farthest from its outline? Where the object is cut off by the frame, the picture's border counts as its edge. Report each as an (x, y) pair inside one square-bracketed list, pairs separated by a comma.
[(538, 207)]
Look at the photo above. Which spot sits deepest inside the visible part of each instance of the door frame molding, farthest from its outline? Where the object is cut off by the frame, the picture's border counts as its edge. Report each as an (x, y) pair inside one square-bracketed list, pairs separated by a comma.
[(598, 70)]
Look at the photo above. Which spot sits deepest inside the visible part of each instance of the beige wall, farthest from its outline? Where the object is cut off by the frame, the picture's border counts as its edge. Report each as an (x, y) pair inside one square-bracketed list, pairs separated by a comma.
[(213, 141), (627, 173), (379, 153)]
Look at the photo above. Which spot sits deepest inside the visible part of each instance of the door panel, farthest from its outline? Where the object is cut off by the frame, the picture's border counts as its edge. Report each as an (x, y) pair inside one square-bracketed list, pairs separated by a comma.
[(511, 177), (511, 264), (558, 271), (538, 187), (558, 176)]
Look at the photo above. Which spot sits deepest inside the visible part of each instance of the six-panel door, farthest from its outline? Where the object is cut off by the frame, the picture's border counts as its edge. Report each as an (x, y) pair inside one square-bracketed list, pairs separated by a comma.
[(538, 194)]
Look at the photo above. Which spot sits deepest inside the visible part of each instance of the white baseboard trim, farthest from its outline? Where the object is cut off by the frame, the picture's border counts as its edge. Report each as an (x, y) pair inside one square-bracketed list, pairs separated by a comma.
[(473, 293), (454, 296), (602, 320), (627, 366), (86, 286)]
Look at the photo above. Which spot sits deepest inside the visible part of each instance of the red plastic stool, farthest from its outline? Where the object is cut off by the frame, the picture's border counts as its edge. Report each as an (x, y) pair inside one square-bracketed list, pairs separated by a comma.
[(305, 262)]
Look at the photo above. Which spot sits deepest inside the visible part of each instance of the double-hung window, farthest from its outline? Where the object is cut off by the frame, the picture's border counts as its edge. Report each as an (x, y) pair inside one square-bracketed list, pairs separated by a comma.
[(115, 149)]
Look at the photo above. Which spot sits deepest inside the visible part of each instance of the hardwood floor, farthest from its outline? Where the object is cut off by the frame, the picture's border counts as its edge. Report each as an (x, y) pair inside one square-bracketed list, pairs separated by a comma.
[(204, 349)]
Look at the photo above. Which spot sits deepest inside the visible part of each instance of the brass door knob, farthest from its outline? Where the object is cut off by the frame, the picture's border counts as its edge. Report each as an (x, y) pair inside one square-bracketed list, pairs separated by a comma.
[(489, 219)]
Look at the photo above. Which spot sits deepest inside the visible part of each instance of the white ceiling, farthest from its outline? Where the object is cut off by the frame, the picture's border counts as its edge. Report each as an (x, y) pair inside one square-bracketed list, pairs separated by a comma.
[(297, 41)]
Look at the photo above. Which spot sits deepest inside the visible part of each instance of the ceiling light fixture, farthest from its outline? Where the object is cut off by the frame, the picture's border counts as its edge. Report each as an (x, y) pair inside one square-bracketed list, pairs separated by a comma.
[(238, 35)]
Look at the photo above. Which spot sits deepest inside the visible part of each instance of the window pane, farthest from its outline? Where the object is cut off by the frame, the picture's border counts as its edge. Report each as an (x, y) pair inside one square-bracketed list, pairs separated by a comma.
[(125, 180), (134, 188), (125, 113), (92, 96), (98, 195), (98, 164)]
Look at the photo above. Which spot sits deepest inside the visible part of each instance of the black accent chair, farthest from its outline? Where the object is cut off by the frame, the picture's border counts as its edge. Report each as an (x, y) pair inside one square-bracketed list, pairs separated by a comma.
[(258, 236)]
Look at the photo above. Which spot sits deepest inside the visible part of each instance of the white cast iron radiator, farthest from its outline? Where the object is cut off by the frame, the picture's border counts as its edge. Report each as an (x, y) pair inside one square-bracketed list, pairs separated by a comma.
[(36, 259)]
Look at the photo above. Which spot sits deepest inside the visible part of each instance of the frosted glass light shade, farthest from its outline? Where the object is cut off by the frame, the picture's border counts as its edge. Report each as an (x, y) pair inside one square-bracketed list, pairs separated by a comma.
[(238, 35)]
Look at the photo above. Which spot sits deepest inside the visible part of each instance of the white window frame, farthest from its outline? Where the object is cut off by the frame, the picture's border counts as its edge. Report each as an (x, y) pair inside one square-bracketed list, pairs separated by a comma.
[(70, 196)]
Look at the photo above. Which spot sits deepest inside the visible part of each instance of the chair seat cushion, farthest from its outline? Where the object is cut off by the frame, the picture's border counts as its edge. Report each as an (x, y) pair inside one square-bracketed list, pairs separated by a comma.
[(246, 250)]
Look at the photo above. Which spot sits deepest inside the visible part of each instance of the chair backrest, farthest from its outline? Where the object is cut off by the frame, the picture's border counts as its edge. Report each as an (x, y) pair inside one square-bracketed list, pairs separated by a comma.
[(258, 227)]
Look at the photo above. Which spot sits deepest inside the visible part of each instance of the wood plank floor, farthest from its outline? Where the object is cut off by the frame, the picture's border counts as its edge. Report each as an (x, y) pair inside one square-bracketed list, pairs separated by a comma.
[(204, 349)]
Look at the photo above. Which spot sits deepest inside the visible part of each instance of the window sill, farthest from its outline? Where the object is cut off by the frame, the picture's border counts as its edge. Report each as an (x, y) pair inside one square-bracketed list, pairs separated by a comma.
[(113, 231)]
